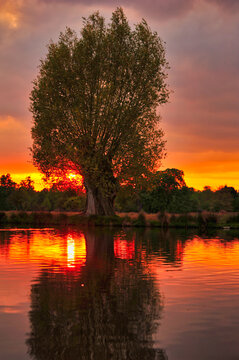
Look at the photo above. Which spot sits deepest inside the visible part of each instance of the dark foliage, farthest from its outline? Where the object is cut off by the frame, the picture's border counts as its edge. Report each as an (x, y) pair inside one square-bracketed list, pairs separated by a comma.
[(167, 192), (23, 197)]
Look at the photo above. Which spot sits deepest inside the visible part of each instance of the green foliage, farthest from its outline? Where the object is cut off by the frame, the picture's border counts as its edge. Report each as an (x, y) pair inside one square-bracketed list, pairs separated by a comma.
[(7, 187), (95, 101), (155, 200), (185, 220), (127, 199), (178, 221), (154, 223), (23, 197), (127, 221), (46, 204), (183, 201), (163, 219), (225, 198), (235, 203), (140, 221), (75, 203), (168, 192)]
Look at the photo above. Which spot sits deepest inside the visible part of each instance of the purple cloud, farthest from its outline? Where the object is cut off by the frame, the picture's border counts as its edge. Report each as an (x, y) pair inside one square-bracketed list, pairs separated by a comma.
[(160, 9), (229, 5), (202, 50)]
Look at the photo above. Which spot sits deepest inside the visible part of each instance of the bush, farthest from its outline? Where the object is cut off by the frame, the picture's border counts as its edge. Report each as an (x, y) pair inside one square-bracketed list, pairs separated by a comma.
[(75, 203), (184, 220), (126, 221), (140, 221), (154, 223), (163, 219)]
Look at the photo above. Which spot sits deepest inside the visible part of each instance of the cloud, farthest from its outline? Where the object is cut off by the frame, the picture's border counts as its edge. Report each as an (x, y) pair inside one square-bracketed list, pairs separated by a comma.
[(202, 50), (22, 47), (204, 59), (10, 12), (14, 138), (160, 9), (229, 5), (9, 123)]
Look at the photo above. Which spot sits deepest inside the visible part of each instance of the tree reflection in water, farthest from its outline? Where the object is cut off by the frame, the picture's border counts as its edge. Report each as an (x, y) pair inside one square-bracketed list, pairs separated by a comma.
[(108, 309)]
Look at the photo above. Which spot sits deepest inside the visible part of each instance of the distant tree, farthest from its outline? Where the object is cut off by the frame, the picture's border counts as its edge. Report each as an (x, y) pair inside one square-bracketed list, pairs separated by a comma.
[(236, 203), (228, 190), (7, 182), (169, 179), (46, 204), (183, 200), (165, 184), (94, 106), (207, 199), (224, 198), (7, 188), (27, 184), (23, 197)]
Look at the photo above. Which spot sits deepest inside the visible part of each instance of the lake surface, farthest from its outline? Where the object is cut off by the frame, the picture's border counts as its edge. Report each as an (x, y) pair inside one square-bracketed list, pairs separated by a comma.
[(118, 294)]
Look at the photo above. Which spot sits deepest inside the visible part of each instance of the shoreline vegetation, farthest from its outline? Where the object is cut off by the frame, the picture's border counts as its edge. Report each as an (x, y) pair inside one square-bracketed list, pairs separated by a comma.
[(199, 220), (166, 203)]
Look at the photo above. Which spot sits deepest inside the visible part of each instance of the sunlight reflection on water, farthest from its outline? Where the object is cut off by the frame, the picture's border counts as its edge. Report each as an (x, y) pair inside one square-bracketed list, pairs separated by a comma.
[(115, 294)]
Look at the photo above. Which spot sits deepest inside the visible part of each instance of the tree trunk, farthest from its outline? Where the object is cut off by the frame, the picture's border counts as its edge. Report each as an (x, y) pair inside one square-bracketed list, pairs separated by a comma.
[(98, 203), (101, 188)]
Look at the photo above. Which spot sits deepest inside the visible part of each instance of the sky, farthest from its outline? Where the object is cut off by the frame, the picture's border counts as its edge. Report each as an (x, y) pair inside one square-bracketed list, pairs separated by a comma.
[(201, 120)]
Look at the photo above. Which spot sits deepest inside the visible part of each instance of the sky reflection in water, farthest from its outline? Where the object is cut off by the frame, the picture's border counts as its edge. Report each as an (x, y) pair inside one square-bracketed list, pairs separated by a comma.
[(114, 294)]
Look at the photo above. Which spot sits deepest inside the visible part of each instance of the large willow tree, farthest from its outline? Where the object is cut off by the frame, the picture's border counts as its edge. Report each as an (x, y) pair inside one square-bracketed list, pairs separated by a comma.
[(94, 106)]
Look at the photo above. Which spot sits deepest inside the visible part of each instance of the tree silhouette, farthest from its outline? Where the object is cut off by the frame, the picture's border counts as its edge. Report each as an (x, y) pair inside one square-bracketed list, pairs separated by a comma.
[(94, 106)]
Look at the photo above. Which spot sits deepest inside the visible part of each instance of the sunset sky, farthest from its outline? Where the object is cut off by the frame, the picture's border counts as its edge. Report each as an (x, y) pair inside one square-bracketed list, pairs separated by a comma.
[(201, 122)]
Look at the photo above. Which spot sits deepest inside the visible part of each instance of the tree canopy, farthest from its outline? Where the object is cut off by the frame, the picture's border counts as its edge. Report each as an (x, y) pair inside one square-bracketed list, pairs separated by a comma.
[(94, 105)]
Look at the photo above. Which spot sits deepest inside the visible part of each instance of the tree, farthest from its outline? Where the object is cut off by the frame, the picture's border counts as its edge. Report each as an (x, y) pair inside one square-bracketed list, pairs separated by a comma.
[(6, 182), (164, 186), (27, 184), (94, 106), (7, 188)]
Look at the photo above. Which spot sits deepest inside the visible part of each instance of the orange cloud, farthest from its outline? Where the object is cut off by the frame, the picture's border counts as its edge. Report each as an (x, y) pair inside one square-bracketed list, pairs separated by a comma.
[(10, 12), (201, 122)]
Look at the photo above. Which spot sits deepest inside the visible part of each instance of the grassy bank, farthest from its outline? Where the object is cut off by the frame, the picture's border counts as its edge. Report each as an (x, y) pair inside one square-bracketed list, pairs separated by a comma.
[(202, 220)]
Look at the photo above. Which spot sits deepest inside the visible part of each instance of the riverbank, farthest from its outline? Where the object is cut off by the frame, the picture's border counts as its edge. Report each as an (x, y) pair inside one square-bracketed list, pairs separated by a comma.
[(201, 220)]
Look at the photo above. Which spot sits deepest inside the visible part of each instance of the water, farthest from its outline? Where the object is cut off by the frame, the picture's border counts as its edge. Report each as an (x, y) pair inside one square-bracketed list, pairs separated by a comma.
[(115, 294)]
